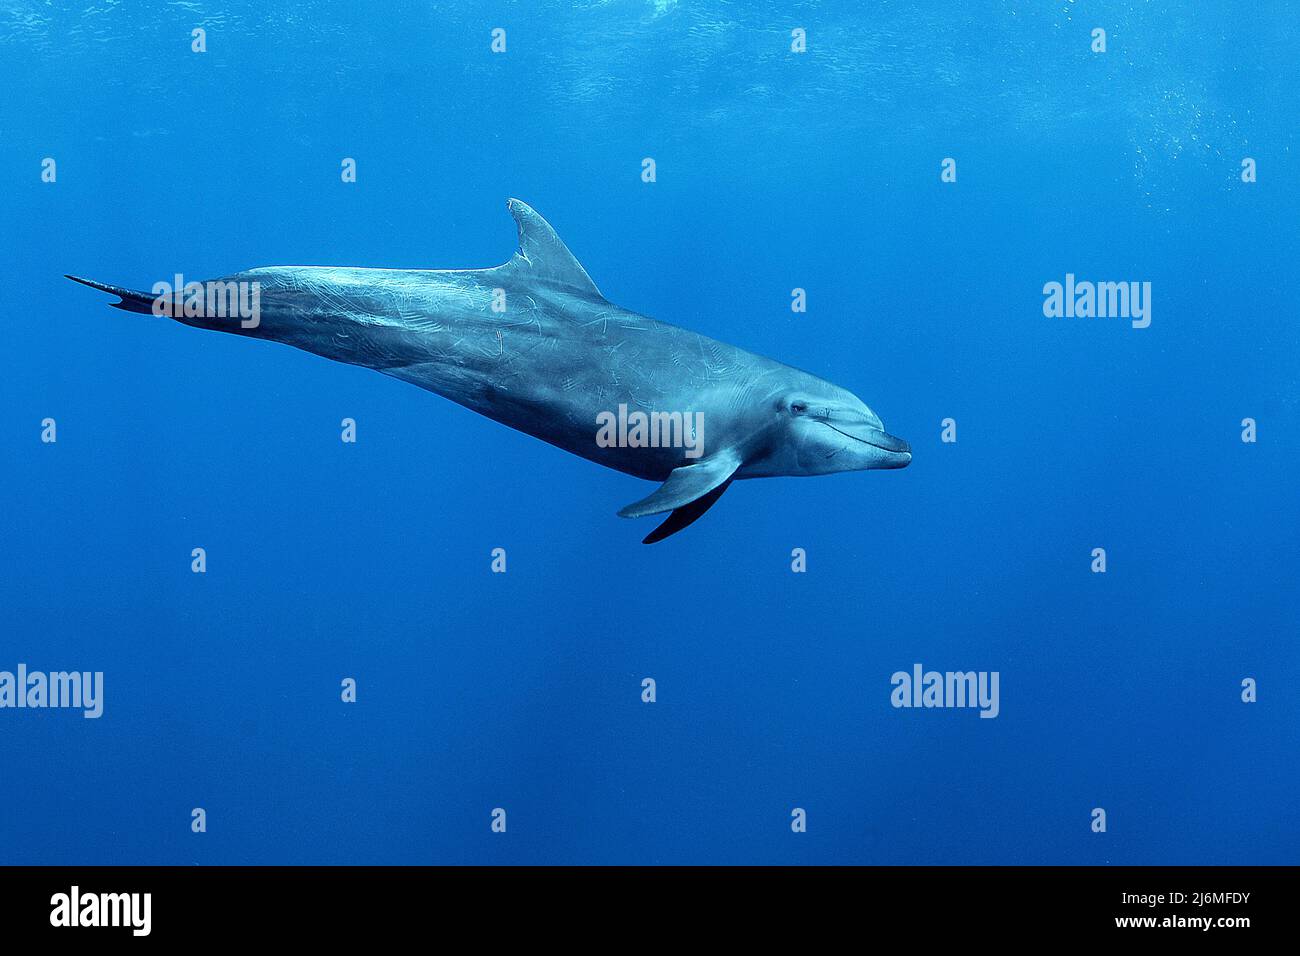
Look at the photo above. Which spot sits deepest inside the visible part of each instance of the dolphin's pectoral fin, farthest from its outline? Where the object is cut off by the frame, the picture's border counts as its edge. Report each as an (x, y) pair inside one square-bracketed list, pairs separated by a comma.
[(689, 492), (543, 255), (686, 515)]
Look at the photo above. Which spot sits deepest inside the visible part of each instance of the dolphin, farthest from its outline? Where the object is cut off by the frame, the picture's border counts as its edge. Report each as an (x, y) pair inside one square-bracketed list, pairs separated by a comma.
[(534, 345)]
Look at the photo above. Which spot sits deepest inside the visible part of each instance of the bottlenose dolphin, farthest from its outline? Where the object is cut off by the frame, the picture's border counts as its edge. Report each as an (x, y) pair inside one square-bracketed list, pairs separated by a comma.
[(534, 345)]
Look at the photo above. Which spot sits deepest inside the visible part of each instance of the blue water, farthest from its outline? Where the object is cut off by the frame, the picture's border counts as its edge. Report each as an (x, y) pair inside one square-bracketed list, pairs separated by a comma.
[(775, 170)]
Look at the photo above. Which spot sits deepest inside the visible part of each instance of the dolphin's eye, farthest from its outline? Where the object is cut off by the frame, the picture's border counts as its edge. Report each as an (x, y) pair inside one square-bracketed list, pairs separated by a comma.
[(798, 408)]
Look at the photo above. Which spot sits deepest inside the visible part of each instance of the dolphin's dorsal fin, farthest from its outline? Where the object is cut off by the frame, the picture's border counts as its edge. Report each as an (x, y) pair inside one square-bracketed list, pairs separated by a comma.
[(543, 255)]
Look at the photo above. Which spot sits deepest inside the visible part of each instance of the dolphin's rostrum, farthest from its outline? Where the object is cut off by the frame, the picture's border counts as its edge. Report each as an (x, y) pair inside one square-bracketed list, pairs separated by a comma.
[(533, 344)]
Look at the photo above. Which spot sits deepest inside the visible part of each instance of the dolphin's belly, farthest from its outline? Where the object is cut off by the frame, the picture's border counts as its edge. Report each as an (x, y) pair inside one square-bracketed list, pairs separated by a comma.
[(578, 418), (589, 388)]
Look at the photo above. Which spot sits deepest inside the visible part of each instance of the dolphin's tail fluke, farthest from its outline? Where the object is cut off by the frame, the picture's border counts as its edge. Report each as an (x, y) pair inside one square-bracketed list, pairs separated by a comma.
[(132, 301)]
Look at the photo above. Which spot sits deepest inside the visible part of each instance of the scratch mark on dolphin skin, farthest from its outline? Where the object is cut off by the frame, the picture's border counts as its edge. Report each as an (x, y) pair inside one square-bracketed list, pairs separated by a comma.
[(603, 319)]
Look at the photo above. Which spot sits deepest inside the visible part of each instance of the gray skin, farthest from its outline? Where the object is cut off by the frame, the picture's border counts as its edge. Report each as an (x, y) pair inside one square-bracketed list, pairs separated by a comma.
[(557, 357)]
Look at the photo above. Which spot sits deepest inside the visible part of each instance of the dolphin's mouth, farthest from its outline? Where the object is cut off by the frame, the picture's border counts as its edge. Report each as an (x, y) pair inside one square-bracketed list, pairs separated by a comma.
[(884, 441)]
